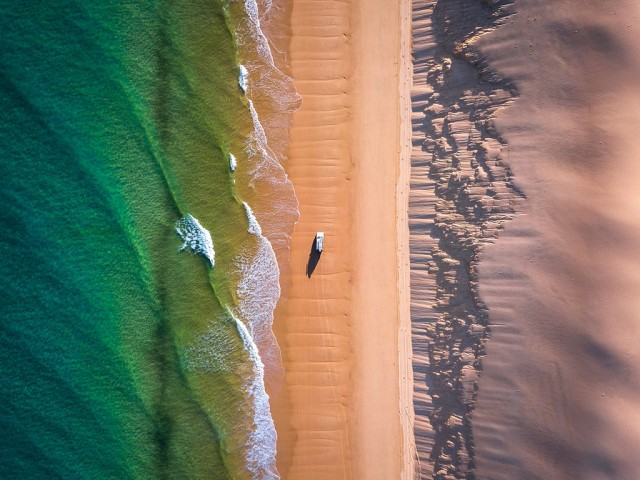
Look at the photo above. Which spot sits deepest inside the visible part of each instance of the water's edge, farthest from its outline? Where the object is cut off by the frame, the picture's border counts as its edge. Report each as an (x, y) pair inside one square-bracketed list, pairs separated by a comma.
[(272, 215)]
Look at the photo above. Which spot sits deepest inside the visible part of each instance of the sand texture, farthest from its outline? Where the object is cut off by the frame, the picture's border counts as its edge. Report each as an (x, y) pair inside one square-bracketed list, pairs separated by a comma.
[(523, 241), (338, 413), (559, 392), (461, 194)]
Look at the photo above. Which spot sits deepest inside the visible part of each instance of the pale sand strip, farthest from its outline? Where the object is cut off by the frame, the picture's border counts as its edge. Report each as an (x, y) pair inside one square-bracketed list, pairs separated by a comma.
[(337, 415)]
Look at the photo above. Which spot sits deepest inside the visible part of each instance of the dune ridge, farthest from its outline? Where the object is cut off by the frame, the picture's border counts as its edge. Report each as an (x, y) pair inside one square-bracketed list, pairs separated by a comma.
[(462, 192)]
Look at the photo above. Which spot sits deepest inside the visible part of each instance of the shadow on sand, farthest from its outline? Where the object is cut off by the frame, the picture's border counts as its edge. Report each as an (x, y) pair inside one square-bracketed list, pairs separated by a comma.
[(314, 258)]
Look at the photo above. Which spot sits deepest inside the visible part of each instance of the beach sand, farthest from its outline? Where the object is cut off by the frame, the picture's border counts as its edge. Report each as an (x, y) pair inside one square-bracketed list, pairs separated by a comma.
[(338, 414), (559, 392), (523, 238)]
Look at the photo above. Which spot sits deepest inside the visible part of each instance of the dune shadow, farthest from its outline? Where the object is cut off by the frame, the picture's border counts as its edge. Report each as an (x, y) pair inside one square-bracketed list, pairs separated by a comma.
[(314, 258)]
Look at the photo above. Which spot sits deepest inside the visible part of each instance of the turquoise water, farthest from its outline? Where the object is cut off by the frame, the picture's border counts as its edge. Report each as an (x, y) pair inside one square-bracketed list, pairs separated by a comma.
[(122, 357)]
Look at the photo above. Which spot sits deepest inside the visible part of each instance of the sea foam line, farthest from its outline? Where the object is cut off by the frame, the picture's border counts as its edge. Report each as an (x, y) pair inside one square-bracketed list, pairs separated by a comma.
[(259, 291), (261, 444), (252, 434), (276, 207)]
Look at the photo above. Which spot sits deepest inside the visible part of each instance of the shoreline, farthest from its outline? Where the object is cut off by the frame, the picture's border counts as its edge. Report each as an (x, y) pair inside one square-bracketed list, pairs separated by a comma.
[(338, 330), (340, 397)]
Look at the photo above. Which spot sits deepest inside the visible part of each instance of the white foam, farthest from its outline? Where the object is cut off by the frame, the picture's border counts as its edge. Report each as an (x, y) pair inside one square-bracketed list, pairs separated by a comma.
[(275, 213), (265, 76), (243, 81), (254, 226), (195, 237), (217, 351), (264, 162), (259, 287), (278, 206), (259, 135), (251, 7), (261, 444), (233, 164)]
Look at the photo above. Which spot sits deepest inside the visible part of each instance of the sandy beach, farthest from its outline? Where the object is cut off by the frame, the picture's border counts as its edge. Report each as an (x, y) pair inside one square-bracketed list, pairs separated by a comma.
[(339, 414), (482, 235)]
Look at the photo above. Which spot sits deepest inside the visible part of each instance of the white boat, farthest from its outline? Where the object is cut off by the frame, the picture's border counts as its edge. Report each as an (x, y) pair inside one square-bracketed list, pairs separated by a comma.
[(319, 241)]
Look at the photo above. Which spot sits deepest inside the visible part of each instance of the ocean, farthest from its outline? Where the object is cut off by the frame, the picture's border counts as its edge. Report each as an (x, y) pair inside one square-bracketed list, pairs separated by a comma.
[(145, 219)]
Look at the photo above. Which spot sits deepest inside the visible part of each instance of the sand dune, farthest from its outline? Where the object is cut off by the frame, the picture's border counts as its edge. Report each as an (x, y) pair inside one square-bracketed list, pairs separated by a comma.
[(557, 396), (559, 393), (461, 194), (422, 200)]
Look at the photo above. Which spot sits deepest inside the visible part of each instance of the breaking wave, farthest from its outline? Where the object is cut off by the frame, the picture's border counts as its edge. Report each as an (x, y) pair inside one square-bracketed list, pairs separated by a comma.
[(196, 238), (243, 81), (259, 291)]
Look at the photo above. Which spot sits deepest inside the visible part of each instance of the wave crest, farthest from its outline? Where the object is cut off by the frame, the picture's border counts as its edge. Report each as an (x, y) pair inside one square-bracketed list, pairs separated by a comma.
[(196, 238)]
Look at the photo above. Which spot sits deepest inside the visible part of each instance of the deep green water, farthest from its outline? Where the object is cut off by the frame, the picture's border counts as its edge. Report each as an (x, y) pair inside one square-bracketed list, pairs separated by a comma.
[(116, 120)]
